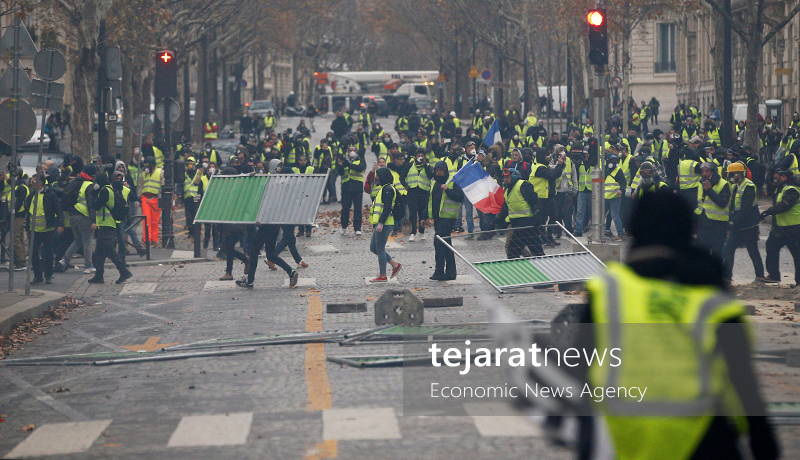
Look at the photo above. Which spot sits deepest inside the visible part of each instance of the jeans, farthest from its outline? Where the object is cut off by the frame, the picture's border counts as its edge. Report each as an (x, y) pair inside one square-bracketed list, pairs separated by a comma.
[(748, 238), (330, 188), (82, 231), (613, 206), (584, 213), (519, 239), (417, 209), (445, 259), (485, 221), (711, 235), (377, 246), (352, 199), (107, 247), (468, 212), (266, 235), (46, 242), (774, 245), (290, 240)]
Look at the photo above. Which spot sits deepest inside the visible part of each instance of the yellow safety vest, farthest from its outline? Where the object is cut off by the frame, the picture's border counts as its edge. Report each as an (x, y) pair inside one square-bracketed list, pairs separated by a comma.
[(518, 207), (40, 221), (6, 196), (792, 216), (540, 186), (209, 134), (704, 203), (677, 361), (105, 219), (152, 182), (352, 174), (457, 122), (612, 186), (125, 192), (306, 170), (159, 156), (662, 151), (585, 178), (376, 209), (625, 166), (448, 209), (640, 191), (189, 187), (398, 186), (687, 178), (713, 136), (531, 120), (737, 197), (81, 206), (269, 122), (416, 178)]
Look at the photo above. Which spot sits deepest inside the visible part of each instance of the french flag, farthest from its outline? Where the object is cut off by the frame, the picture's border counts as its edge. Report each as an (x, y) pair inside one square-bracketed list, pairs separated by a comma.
[(493, 135), (480, 189)]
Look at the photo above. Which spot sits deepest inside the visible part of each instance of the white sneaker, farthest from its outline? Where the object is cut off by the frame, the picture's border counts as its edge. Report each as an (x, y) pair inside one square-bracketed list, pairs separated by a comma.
[(89, 271), (412, 237), (358, 233), (341, 232), (424, 237)]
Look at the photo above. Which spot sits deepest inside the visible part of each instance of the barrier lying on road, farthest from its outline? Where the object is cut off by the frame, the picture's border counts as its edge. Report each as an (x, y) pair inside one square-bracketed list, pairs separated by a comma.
[(262, 199), (489, 259)]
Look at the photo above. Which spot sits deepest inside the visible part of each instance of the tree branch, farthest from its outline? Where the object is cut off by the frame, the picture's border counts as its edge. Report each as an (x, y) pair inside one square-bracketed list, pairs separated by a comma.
[(729, 19), (777, 28)]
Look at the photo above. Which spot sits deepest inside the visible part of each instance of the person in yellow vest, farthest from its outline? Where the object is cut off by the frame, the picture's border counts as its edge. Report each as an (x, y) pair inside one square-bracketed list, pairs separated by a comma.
[(44, 223), (369, 183), (191, 199), (588, 128), (542, 177), (689, 175), (129, 194), (615, 183), (382, 219), (444, 203), (531, 120), (565, 191), (269, 121), (210, 130), (477, 120), (744, 218), (785, 224), (153, 180), (584, 168), (398, 168), (21, 198), (713, 198), (80, 195), (418, 177), (697, 395), (646, 181), (351, 167), (519, 211), (106, 231)]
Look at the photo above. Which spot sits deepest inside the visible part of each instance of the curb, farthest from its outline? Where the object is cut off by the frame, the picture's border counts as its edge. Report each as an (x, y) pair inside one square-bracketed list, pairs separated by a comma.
[(148, 263), (16, 314)]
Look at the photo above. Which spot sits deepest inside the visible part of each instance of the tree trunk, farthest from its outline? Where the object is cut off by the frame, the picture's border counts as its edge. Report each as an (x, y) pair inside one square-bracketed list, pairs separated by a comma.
[(129, 111), (719, 60), (83, 85), (753, 59), (626, 59), (578, 81), (200, 108)]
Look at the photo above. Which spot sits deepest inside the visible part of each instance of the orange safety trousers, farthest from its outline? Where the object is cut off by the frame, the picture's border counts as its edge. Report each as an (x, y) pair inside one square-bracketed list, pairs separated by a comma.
[(151, 209)]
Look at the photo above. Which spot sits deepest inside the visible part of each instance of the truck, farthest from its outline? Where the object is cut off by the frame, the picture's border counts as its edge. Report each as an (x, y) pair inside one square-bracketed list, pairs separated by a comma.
[(346, 90)]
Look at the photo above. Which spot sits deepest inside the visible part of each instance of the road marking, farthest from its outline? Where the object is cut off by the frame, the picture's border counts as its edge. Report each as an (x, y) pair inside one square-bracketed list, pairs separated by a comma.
[(323, 248), (458, 242), (182, 255), (40, 396), (150, 345), (219, 285), (94, 339), (138, 288), (390, 281), (212, 430), (505, 423), (464, 279), (60, 439), (319, 388), (302, 282), (393, 245), (360, 423)]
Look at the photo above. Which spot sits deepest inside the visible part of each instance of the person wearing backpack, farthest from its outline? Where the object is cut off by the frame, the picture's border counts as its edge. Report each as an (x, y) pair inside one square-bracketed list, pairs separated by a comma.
[(109, 207), (44, 224), (78, 200)]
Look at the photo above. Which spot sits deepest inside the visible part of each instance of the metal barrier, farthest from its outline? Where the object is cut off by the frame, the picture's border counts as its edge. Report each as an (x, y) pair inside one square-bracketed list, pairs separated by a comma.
[(134, 220), (532, 271)]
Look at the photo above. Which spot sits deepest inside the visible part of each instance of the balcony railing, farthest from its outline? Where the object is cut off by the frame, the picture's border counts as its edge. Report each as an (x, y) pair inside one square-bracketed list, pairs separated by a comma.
[(664, 67)]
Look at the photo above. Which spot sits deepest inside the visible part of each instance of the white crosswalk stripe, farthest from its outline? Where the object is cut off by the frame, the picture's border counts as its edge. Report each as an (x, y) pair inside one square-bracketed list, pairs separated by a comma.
[(60, 439), (504, 423), (138, 288), (212, 430), (360, 423)]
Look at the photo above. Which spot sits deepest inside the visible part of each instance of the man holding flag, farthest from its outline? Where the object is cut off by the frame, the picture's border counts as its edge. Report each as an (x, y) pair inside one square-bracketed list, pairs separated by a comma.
[(443, 204), (519, 211)]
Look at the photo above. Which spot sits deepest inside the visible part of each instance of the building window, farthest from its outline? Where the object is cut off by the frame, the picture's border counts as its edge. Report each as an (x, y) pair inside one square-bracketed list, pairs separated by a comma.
[(665, 48)]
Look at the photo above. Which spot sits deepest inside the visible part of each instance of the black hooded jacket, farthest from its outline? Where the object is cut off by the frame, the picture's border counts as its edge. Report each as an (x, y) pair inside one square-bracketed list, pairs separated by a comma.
[(387, 193), (455, 194)]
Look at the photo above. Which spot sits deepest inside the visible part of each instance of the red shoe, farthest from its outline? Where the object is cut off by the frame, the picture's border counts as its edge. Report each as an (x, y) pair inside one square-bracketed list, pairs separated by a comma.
[(380, 279), (396, 270)]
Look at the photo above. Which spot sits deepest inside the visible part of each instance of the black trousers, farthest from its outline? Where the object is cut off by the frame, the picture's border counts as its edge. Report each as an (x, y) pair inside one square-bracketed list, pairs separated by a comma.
[(229, 247), (190, 210), (417, 207), (749, 239), (711, 235), (352, 199), (445, 259), (63, 241), (690, 195), (266, 236), (106, 247), (44, 242), (563, 207), (774, 245), (330, 188), (522, 238)]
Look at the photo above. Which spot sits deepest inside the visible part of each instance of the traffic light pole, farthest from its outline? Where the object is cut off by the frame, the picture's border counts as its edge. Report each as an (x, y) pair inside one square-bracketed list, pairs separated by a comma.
[(167, 238), (598, 176)]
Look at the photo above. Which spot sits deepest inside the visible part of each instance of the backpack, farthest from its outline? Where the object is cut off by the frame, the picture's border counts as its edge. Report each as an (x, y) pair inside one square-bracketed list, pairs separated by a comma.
[(69, 198), (120, 210), (398, 210)]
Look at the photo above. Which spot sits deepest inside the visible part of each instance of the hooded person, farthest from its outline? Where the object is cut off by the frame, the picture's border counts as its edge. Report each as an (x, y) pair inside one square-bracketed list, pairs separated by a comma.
[(713, 198), (45, 221), (785, 229), (381, 216), (519, 212), (351, 167), (274, 165), (79, 202), (543, 178), (106, 246), (444, 204)]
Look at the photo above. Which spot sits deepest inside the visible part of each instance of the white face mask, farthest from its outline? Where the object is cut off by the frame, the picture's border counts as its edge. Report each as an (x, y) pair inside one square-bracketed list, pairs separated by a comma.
[(205, 165), (211, 170), (96, 186), (147, 170), (208, 149)]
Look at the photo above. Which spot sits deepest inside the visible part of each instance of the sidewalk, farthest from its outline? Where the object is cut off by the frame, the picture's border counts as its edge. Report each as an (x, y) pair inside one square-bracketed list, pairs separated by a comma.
[(16, 307)]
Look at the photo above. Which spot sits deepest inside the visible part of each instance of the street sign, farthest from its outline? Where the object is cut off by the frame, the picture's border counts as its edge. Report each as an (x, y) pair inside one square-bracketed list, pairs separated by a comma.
[(486, 74), (473, 72), (174, 110), (7, 82), (786, 71), (142, 125), (113, 63), (442, 77), (26, 126), (40, 99), (25, 49), (439, 85), (50, 64), (616, 81)]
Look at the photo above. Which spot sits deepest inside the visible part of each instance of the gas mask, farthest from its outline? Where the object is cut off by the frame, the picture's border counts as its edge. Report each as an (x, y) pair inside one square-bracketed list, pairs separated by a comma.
[(611, 166), (352, 156), (732, 179), (96, 187), (208, 149), (419, 160), (147, 170)]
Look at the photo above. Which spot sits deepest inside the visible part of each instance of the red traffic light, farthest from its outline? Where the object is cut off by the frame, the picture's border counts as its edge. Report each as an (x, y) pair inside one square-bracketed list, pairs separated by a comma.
[(595, 18), (165, 56)]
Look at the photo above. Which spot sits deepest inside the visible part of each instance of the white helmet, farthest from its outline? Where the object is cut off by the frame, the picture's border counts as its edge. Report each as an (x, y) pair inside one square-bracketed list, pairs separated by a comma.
[(452, 114)]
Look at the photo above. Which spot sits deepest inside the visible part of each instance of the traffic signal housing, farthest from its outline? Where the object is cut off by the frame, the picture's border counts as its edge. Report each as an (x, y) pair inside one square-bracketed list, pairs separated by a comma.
[(166, 80), (598, 37)]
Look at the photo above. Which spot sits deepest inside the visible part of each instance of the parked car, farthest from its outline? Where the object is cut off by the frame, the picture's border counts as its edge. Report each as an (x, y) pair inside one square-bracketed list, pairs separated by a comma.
[(380, 104), (261, 108)]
